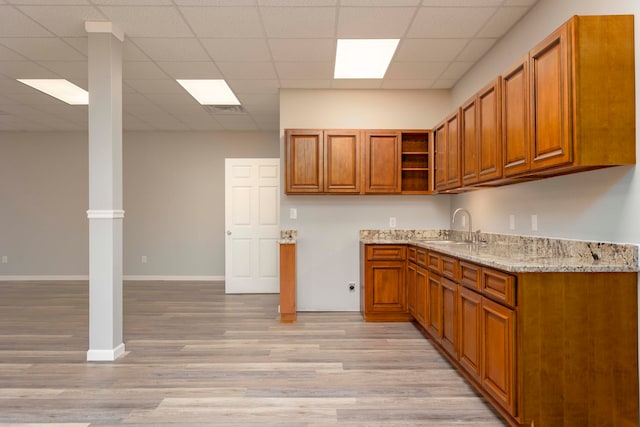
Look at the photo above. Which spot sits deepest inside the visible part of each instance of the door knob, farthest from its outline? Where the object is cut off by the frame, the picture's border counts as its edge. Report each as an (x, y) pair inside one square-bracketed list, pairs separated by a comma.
[(228, 232)]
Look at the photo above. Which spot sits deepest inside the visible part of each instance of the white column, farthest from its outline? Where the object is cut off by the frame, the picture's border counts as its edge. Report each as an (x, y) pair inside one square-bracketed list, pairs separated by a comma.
[(105, 192)]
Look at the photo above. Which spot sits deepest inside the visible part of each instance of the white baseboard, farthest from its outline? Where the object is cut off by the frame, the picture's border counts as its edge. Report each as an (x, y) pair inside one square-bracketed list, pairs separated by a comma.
[(42, 278), (51, 278), (174, 278), (105, 355)]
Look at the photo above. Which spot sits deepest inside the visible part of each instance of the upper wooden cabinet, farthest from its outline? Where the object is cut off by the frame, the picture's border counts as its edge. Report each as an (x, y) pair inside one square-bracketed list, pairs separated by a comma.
[(382, 162), (319, 161), (304, 158), (342, 160), (448, 172), (567, 106), (357, 161), (480, 134), (516, 156)]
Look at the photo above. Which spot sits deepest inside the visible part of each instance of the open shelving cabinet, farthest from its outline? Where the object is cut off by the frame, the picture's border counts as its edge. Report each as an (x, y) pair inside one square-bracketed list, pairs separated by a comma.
[(417, 165)]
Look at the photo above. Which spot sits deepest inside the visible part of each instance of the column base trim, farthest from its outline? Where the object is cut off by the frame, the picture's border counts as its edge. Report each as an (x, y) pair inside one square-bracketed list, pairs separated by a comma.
[(105, 214), (105, 355)]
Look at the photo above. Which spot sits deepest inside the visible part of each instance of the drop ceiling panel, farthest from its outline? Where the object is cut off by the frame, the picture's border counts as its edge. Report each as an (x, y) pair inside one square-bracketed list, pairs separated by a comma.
[(415, 70), (258, 46), (7, 54), (502, 20), (171, 49), (64, 20), (245, 70), (305, 84), (254, 86), (304, 70), (224, 21), (69, 70), (456, 70), (303, 49), (303, 22), (42, 48), (16, 24), (191, 70), (138, 21), (449, 22), (155, 86), (356, 84), (475, 49), (374, 22), (429, 49), (462, 3), (142, 70), (407, 84), (25, 70), (237, 49)]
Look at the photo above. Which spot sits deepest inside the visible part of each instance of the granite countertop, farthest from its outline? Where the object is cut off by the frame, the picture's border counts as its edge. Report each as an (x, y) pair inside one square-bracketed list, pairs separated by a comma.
[(520, 254), (288, 237)]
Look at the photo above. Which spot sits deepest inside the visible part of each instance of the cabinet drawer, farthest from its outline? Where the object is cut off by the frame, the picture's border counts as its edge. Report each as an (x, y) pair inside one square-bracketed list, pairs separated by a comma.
[(449, 267), (433, 262), (386, 252), (498, 286), (411, 254), (470, 275), (421, 257)]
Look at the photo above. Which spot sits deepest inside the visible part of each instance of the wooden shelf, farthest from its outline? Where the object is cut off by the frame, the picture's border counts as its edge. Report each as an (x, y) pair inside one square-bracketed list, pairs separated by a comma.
[(415, 153), (415, 169)]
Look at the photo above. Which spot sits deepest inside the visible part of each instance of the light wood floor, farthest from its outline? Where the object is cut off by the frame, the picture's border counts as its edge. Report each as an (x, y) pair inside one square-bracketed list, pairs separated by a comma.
[(198, 357)]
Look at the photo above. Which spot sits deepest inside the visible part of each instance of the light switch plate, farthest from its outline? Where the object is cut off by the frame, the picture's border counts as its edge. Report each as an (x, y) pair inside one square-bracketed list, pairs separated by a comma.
[(512, 222), (392, 222), (534, 222), (293, 213)]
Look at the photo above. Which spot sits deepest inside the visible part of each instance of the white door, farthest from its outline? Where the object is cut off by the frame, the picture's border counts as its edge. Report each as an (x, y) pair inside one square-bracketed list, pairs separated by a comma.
[(252, 225)]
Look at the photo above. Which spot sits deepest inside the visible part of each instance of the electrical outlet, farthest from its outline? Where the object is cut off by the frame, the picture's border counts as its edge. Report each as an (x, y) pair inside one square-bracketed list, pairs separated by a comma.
[(293, 213), (144, 259), (512, 222), (392, 222), (534, 222), (352, 286), (5, 259)]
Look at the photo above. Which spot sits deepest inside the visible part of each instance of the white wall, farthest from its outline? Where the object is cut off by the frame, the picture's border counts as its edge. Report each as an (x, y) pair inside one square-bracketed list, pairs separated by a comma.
[(328, 226), (599, 205), (173, 199)]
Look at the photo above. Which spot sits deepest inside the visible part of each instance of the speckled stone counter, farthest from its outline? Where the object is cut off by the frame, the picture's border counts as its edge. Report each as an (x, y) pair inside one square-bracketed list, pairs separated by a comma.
[(288, 237), (518, 254)]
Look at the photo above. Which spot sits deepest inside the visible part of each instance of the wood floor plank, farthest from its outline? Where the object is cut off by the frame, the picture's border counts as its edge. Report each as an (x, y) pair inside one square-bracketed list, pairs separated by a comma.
[(197, 357)]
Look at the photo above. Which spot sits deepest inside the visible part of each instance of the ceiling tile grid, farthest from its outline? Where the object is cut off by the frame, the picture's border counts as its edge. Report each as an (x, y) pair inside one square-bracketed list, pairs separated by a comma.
[(257, 46)]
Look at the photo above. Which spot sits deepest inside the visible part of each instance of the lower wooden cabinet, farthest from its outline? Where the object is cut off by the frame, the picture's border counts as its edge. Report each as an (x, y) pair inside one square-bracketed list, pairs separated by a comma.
[(422, 298), (449, 309), (385, 291), (470, 331), (543, 348), (497, 365)]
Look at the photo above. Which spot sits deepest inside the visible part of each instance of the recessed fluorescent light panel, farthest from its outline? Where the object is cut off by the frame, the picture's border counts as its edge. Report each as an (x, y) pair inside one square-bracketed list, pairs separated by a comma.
[(210, 92), (61, 89), (363, 58)]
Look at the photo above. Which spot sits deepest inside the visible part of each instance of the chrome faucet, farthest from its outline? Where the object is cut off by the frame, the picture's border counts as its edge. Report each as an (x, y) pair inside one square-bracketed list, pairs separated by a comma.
[(453, 221)]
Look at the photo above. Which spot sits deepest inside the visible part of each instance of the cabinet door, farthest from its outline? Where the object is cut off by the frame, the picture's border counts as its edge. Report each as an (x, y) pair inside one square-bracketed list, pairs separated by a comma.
[(382, 165), (422, 296), (303, 161), (489, 138), (440, 136), (516, 152), (454, 174), (411, 288), (469, 142), (342, 160), (449, 327), (550, 115), (498, 353), (386, 288), (469, 332), (433, 307)]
